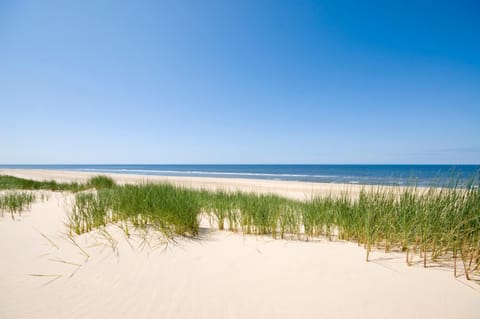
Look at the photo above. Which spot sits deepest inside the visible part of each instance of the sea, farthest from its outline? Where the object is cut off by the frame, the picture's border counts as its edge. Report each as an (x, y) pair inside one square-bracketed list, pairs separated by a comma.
[(419, 175)]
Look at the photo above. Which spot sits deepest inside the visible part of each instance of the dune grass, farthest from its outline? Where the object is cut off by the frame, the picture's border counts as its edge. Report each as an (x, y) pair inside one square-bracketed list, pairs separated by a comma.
[(11, 182), (15, 203), (172, 210), (100, 182), (436, 223), (16, 183)]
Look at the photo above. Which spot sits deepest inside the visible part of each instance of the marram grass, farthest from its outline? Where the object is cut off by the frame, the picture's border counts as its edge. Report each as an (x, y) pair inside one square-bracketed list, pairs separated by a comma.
[(436, 223), (15, 203), (16, 183), (170, 209)]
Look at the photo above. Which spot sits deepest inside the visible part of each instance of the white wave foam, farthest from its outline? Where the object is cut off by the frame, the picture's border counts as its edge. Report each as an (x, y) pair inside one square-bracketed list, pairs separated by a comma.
[(202, 172)]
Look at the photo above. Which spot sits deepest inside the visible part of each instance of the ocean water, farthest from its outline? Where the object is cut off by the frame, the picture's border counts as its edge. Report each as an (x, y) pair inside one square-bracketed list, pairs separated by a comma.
[(421, 175)]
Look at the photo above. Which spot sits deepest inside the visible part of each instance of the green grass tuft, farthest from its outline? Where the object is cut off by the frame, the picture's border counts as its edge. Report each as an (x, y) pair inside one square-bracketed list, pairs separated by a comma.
[(11, 182), (15, 203), (100, 182)]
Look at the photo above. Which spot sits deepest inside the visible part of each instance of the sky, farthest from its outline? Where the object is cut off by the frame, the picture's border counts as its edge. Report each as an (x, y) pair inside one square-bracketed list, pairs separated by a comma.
[(284, 82)]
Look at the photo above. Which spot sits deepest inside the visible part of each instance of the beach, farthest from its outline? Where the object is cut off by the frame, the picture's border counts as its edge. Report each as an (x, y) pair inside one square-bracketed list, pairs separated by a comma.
[(46, 273), (290, 189)]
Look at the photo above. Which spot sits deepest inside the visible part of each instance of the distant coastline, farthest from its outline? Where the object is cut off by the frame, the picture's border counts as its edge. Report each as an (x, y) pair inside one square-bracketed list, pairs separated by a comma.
[(403, 175)]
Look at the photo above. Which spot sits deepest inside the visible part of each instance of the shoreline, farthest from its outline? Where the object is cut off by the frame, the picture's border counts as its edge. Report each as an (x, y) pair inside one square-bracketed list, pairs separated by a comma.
[(402, 175), (291, 189)]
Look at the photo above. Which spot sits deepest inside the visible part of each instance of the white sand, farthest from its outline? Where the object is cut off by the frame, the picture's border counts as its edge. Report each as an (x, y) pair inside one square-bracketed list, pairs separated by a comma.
[(219, 275)]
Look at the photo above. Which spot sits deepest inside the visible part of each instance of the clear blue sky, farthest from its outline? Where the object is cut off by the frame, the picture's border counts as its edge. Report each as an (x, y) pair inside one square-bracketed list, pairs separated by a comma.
[(239, 81)]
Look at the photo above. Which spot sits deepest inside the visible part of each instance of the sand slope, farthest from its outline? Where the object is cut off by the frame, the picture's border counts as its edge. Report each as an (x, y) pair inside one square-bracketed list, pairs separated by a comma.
[(218, 275)]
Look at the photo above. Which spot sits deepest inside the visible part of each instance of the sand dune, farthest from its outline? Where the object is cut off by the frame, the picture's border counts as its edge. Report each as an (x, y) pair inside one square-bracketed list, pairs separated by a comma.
[(44, 274)]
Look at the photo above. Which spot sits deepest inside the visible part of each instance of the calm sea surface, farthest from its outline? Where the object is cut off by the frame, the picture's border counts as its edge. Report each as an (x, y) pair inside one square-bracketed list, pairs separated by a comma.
[(421, 175)]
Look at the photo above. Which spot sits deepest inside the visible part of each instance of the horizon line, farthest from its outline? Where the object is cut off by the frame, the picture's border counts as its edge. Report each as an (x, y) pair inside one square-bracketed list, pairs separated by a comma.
[(237, 164)]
